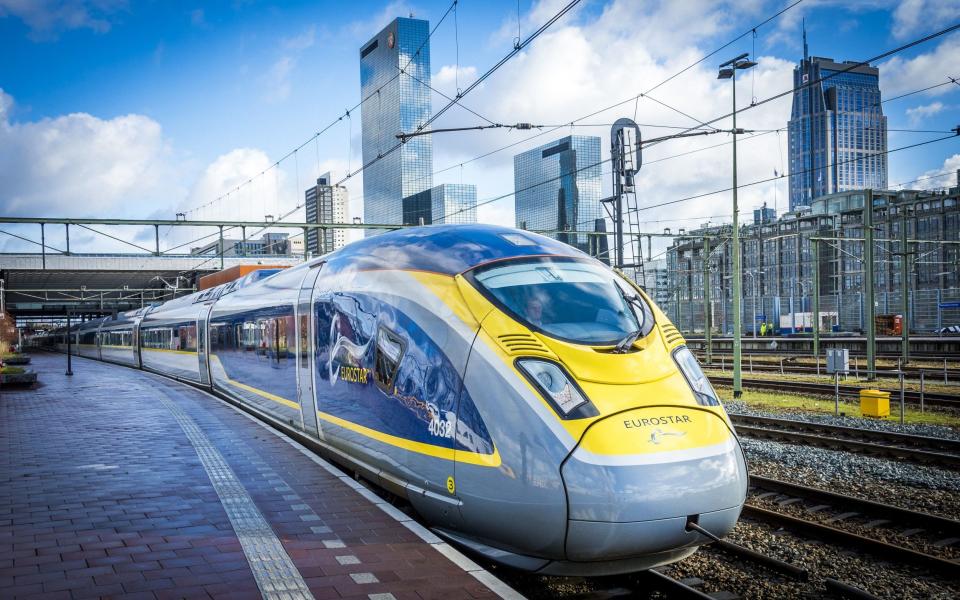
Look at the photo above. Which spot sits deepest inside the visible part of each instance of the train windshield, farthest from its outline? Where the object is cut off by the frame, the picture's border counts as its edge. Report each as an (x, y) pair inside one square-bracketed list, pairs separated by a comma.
[(576, 301)]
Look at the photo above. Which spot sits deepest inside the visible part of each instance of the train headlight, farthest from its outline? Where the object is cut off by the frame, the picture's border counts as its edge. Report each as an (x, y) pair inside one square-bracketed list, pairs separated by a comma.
[(702, 390), (557, 388)]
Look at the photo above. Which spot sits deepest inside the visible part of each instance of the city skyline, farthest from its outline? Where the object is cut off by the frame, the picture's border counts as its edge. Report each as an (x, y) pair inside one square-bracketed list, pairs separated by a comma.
[(182, 157)]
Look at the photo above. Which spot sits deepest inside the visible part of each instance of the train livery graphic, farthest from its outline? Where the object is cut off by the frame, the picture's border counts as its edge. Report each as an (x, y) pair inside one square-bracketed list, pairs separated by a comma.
[(531, 404)]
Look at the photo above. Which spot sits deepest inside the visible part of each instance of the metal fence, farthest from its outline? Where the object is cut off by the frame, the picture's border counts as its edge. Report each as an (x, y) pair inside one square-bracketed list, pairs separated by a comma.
[(929, 311)]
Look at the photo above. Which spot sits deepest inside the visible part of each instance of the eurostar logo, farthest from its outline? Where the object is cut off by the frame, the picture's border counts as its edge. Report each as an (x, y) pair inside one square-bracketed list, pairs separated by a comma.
[(657, 435)]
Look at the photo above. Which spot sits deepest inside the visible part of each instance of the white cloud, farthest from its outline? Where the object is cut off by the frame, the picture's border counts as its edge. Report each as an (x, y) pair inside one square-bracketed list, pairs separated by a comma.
[(78, 164), (579, 66), (944, 176), (48, 18), (366, 28), (919, 113), (450, 77), (899, 75), (921, 16), (276, 81)]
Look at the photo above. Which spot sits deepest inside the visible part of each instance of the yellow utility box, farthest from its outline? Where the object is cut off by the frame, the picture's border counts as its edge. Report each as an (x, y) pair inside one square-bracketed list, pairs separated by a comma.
[(874, 403)]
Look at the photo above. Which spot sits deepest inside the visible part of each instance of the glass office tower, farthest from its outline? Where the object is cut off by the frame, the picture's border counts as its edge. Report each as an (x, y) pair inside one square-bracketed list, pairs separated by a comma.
[(557, 187), (395, 102), (449, 203), (837, 131)]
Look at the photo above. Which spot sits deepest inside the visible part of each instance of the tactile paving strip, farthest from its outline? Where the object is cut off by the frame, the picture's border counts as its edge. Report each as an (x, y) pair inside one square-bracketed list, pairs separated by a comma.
[(272, 567)]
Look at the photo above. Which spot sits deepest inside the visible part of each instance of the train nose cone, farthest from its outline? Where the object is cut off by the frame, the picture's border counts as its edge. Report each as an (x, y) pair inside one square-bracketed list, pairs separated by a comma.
[(636, 477)]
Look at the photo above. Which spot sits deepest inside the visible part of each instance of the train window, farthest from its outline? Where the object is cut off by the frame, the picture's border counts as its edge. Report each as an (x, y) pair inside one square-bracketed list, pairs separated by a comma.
[(187, 338), (269, 338), (577, 301), (389, 351)]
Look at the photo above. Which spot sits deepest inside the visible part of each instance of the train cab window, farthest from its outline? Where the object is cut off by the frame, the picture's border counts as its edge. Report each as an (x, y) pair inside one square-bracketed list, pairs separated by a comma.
[(578, 301), (389, 351)]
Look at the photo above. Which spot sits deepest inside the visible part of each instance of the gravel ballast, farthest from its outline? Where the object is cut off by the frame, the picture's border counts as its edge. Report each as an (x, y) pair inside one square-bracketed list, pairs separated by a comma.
[(892, 425)]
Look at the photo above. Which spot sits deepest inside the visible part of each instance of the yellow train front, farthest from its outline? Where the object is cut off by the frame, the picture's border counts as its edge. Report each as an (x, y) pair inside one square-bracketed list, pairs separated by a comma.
[(608, 437)]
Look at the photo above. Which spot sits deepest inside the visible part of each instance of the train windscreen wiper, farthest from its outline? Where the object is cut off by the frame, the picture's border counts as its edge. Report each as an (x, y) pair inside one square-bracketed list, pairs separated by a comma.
[(624, 345)]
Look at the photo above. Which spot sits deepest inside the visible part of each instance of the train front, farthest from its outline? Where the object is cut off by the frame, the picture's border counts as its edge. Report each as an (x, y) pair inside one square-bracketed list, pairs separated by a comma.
[(631, 424)]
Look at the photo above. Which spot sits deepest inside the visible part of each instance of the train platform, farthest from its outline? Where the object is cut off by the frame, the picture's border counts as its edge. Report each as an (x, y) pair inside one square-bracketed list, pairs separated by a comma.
[(120, 483)]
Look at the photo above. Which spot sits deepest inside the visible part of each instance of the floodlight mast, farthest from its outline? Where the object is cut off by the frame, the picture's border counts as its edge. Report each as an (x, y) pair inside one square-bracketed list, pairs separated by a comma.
[(728, 71)]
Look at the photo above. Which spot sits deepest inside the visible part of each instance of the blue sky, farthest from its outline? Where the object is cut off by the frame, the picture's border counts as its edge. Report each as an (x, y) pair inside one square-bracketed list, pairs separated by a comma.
[(165, 105)]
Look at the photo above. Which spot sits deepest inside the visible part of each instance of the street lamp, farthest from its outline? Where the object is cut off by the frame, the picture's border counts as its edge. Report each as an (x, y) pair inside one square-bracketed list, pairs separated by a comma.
[(728, 71)]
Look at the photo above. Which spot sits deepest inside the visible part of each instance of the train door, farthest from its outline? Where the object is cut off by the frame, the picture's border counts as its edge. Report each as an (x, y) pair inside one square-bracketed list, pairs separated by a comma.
[(306, 348), (203, 350)]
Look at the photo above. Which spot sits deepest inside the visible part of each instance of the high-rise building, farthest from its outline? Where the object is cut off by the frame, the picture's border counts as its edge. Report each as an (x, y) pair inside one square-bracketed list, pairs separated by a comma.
[(447, 203), (837, 131), (326, 203), (395, 89), (764, 215), (557, 187)]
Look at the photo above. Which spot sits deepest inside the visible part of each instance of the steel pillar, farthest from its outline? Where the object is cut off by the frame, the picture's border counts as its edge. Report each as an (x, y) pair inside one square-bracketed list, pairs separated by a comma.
[(735, 247), (871, 311), (707, 308), (816, 298), (904, 288)]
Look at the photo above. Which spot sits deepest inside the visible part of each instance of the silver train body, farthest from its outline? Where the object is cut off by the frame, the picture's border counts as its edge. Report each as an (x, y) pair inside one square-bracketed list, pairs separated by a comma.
[(405, 358)]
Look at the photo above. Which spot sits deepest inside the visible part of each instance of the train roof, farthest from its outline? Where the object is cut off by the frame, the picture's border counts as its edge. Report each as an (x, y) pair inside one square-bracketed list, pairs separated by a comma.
[(447, 249)]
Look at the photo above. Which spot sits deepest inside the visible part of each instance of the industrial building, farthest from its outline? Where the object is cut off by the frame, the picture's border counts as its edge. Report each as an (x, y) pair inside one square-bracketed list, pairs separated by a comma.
[(778, 265)]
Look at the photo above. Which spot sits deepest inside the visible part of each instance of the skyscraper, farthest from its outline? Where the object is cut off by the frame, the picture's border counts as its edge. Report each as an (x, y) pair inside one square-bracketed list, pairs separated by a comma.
[(447, 203), (326, 203), (837, 131), (557, 187), (394, 82)]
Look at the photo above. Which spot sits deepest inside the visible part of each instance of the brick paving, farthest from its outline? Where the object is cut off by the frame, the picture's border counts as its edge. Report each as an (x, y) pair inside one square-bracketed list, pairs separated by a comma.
[(102, 494)]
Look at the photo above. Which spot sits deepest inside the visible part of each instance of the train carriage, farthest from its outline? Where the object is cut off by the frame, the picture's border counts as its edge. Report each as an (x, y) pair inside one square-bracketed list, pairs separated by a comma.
[(118, 340), (528, 401)]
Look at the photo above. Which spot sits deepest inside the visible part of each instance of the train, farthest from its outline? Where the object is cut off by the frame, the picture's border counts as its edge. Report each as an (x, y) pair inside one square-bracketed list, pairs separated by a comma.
[(532, 404)]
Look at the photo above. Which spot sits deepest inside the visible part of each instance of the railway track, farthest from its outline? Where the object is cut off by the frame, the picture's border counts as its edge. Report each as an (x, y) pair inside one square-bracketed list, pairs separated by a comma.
[(923, 449), (846, 391), (792, 367), (928, 536)]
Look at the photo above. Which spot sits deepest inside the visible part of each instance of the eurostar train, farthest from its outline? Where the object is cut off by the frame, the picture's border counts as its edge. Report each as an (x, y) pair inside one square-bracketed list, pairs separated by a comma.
[(531, 404)]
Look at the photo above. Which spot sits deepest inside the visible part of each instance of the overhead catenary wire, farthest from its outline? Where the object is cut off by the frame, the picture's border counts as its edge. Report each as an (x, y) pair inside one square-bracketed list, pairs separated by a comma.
[(769, 99), (338, 119), (574, 122), (655, 142), (851, 66), (517, 46), (460, 95), (768, 180)]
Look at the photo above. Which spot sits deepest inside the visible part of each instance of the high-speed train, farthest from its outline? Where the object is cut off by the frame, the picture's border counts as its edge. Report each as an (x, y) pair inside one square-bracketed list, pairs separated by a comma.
[(531, 404)]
